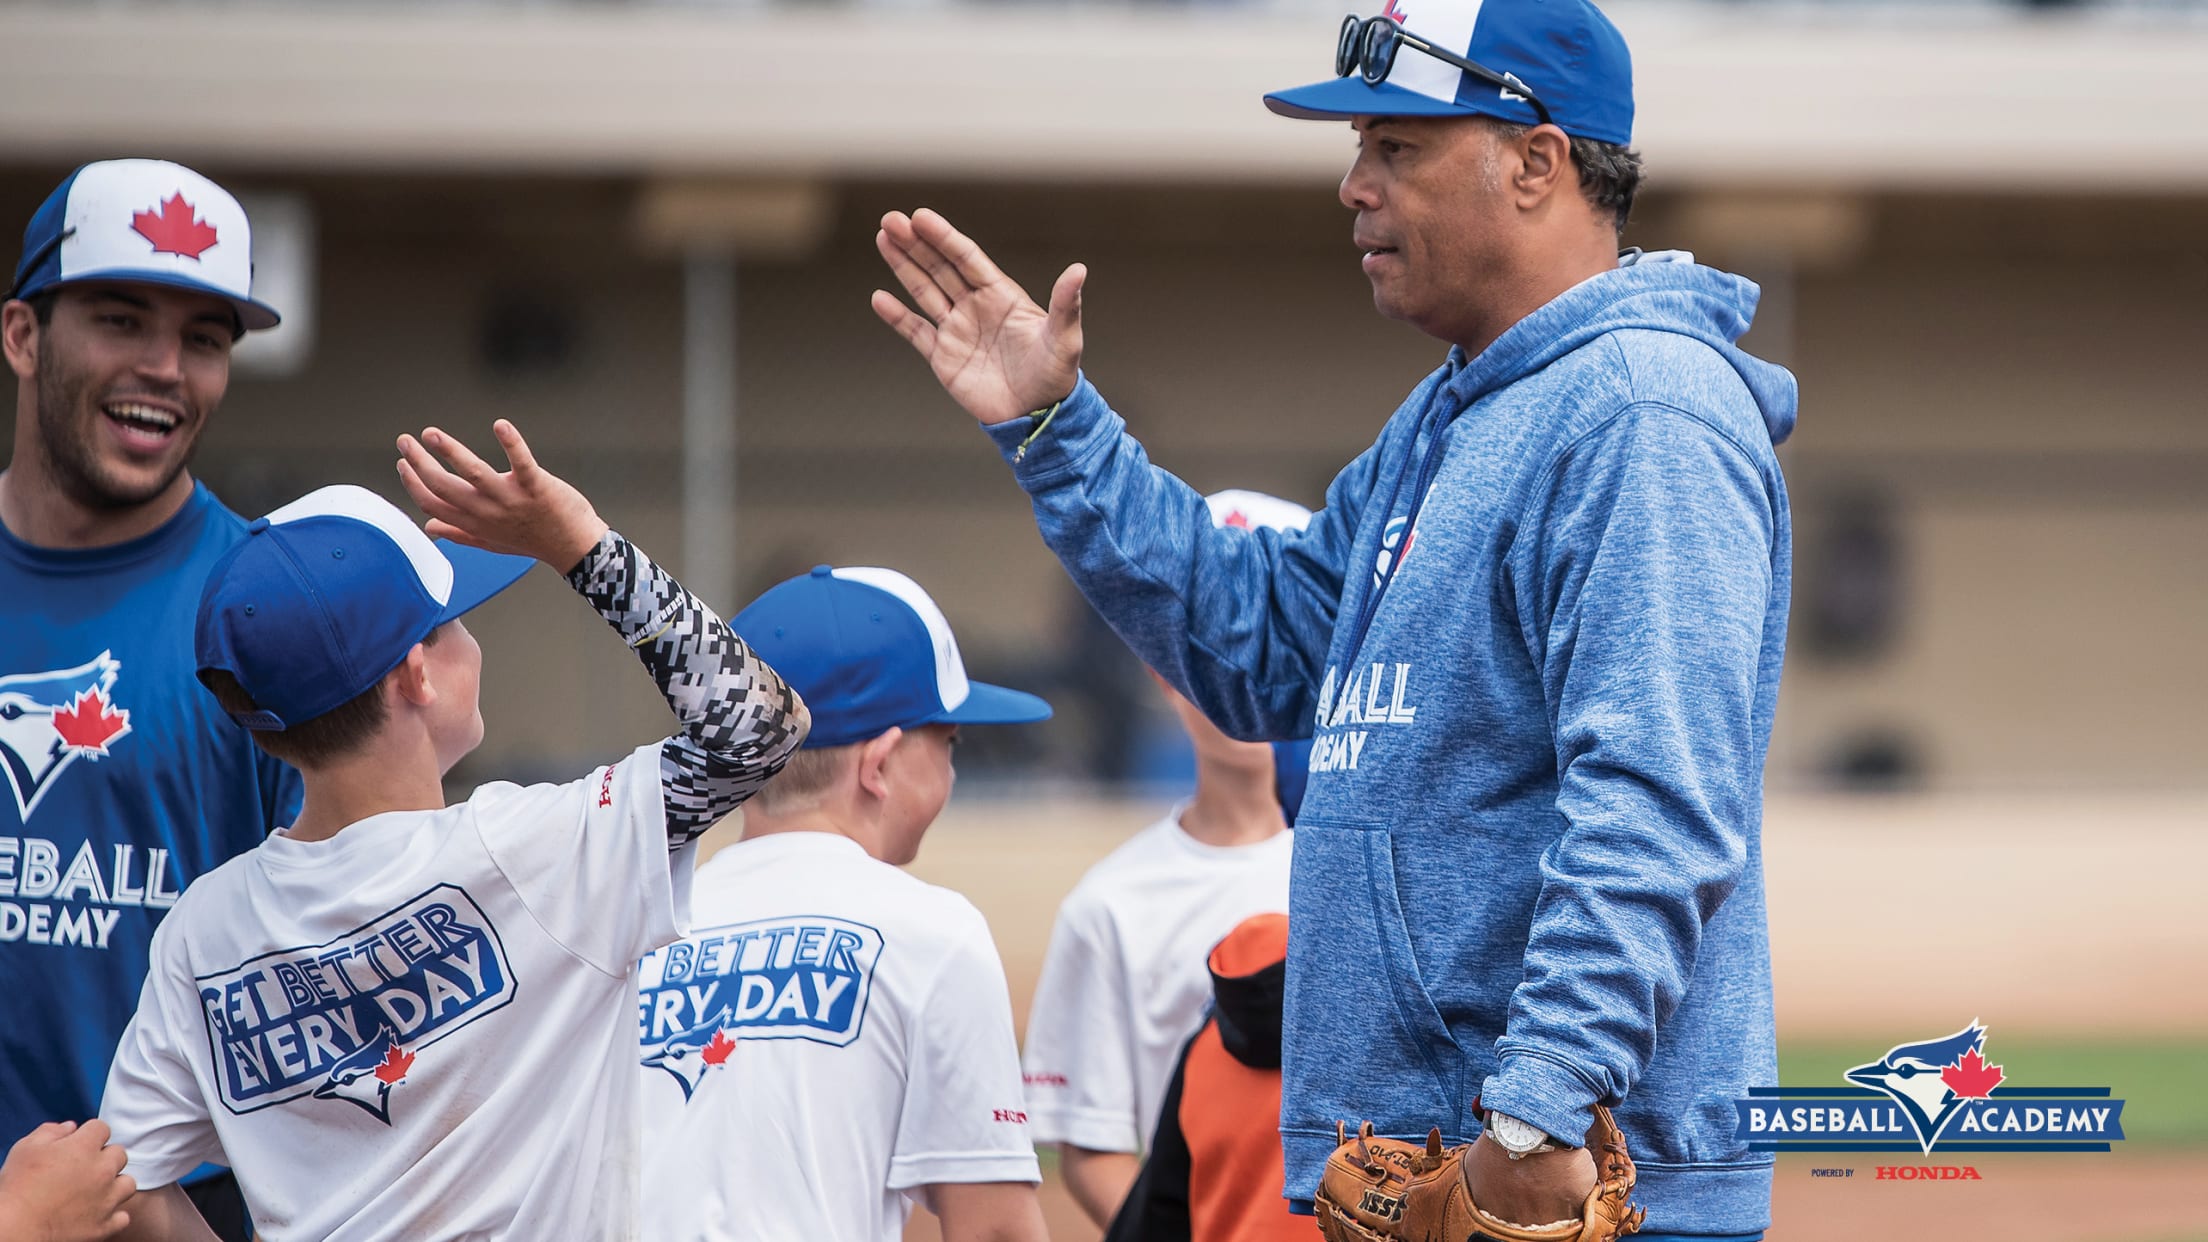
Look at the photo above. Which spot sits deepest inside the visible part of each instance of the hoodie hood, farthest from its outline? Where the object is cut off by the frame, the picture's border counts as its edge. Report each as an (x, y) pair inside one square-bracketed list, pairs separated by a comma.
[(1666, 291)]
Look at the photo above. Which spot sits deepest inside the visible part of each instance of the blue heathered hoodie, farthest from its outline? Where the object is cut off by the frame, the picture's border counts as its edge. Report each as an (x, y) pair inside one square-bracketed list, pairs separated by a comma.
[(1528, 868)]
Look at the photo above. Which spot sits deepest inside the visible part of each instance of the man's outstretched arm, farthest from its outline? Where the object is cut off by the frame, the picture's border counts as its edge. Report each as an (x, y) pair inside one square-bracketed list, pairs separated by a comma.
[(1239, 620)]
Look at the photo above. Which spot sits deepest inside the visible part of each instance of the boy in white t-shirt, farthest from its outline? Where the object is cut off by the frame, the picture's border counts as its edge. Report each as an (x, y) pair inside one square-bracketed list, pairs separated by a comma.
[(834, 1041), (1124, 982), (398, 1019)]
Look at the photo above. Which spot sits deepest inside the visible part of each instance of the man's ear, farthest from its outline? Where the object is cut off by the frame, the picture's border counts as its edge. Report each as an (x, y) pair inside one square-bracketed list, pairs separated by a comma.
[(873, 755), (1544, 166), (19, 334), (410, 680)]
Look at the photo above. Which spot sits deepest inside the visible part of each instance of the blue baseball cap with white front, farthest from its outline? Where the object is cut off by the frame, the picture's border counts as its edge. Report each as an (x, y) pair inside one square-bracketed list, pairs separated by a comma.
[(869, 651), (146, 222), (1530, 60), (325, 596)]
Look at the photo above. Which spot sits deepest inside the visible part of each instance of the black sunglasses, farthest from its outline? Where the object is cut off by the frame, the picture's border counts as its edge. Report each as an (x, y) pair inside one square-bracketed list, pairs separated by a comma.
[(1368, 45)]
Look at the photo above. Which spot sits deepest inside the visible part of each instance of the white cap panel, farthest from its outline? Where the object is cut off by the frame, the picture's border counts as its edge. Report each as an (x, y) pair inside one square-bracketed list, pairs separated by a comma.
[(145, 216), (358, 503), (1446, 24)]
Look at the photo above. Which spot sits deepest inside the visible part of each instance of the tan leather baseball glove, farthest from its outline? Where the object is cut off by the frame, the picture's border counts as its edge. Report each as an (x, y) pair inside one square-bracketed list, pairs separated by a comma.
[(1386, 1190)]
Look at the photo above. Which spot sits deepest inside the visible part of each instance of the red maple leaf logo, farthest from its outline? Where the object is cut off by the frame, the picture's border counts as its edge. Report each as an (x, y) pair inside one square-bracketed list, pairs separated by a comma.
[(1237, 520), (1971, 1078), (175, 229), (394, 1067), (89, 724), (718, 1050)]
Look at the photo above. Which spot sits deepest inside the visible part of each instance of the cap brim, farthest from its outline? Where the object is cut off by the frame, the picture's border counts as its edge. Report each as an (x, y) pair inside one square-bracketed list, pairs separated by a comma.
[(256, 316), (987, 704), (477, 575), (1340, 98)]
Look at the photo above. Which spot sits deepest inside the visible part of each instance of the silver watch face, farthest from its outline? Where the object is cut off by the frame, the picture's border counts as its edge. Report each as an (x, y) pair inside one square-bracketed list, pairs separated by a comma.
[(1515, 1135)]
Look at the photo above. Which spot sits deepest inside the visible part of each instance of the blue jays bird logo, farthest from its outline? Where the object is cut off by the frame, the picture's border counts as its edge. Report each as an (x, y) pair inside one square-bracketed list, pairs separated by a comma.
[(1933, 1081), (687, 1055), (367, 1076), (49, 720)]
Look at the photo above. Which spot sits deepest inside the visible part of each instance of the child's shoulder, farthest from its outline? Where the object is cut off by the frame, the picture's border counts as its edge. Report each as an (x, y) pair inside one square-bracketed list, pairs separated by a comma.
[(213, 914), (1134, 865), (213, 895), (607, 785), (828, 876), (926, 906)]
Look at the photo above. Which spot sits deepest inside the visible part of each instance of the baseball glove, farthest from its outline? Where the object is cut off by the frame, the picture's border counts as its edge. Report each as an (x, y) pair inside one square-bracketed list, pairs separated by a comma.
[(1386, 1190)]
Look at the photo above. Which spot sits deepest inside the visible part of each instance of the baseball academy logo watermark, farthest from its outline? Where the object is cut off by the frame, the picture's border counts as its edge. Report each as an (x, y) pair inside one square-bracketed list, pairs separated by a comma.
[(806, 977), (345, 1019), (1937, 1094)]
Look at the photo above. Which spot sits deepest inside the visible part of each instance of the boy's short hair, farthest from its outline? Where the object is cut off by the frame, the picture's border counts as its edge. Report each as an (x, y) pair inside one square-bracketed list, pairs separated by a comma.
[(323, 740), (811, 772)]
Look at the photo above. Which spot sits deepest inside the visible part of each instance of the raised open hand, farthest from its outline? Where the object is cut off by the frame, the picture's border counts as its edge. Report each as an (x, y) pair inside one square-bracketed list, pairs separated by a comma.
[(525, 511), (992, 348)]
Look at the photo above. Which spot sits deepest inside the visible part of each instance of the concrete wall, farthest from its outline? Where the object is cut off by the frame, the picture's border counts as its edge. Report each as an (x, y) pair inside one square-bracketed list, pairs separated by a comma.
[(2015, 377)]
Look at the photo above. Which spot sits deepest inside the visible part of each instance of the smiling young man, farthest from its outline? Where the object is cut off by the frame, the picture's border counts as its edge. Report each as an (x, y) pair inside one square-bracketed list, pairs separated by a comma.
[(124, 781), (1535, 633)]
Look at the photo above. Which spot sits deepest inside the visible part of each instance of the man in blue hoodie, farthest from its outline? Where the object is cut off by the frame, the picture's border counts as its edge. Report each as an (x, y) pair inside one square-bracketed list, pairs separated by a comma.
[(1535, 635)]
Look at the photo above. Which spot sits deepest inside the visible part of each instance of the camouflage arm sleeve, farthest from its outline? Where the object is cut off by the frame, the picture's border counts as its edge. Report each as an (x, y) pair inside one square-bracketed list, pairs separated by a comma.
[(740, 721)]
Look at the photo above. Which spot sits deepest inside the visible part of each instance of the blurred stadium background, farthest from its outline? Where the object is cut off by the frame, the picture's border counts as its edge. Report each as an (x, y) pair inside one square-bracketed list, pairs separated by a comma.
[(643, 231)]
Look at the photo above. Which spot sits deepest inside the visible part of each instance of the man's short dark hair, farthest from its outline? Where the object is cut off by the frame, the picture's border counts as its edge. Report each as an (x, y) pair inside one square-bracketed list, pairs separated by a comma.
[(328, 737), (1609, 174)]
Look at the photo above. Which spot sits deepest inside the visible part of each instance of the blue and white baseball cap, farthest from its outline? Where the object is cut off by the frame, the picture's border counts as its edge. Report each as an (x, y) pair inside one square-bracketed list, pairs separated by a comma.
[(326, 595), (1565, 51), (147, 222), (870, 652)]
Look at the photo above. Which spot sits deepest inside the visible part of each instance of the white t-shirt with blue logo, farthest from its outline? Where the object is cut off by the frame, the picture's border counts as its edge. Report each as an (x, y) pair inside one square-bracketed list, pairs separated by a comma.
[(420, 1028), (833, 1036)]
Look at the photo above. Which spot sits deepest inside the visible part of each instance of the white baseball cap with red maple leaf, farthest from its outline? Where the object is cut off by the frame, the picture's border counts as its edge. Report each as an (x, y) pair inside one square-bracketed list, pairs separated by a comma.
[(145, 222), (1243, 510)]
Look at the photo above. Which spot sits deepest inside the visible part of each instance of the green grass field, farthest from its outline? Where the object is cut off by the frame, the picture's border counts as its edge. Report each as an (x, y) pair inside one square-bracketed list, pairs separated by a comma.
[(2164, 1083)]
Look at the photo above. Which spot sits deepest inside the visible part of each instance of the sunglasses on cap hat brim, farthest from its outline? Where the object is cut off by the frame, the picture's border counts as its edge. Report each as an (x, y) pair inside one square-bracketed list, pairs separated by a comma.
[(1367, 48)]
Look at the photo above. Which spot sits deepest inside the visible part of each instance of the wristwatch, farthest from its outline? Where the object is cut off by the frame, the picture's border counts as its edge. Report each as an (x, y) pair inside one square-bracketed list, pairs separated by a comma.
[(1519, 1138)]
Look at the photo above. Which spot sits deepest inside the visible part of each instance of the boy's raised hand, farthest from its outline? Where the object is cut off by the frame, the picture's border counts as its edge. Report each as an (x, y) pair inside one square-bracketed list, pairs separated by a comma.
[(525, 510)]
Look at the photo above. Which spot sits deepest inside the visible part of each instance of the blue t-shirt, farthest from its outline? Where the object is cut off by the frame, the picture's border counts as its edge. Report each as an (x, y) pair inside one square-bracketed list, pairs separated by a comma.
[(121, 781)]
